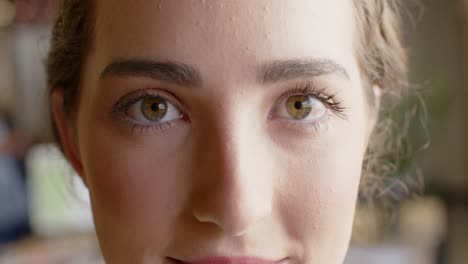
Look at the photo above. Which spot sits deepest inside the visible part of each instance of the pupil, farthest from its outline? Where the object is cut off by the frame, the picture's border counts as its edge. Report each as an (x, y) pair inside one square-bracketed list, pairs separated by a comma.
[(298, 105), (155, 107)]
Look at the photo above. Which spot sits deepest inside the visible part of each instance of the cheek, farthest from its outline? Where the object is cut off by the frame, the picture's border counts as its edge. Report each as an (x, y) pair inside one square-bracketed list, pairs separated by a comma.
[(318, 193), (133, 183), (322, 185)]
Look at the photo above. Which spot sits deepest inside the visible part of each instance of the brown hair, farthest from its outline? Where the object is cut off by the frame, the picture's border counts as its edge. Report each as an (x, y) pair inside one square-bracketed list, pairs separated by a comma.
[(381, 56)]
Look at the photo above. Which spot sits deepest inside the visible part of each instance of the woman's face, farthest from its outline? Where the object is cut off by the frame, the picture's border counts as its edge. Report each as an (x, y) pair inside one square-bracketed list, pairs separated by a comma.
[(221, 129)]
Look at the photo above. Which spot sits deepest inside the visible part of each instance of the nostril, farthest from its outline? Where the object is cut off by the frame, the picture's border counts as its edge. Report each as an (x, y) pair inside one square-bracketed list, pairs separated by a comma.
[(232, 225), (233, 210), (205, 218), (170, 260)]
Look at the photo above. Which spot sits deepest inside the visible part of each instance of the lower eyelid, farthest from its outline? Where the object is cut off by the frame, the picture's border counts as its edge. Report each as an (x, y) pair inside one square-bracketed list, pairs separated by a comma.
[(305, 125), (154, 129)]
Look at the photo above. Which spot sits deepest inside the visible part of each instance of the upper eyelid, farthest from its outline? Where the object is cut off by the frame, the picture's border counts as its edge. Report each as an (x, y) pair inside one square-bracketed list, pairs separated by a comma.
[(321, 92), (133, 97), (311, 89)]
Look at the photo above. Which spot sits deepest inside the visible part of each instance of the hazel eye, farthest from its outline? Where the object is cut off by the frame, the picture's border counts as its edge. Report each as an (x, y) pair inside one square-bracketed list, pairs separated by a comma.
[(153, 109), (301, 108)]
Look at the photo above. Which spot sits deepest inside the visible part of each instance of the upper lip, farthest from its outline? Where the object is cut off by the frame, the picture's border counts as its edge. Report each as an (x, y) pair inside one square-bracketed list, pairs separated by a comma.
[(229, 260)]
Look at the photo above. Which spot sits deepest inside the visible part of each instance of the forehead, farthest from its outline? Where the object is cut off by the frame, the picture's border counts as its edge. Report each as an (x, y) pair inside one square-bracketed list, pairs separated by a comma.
[(213, 32)]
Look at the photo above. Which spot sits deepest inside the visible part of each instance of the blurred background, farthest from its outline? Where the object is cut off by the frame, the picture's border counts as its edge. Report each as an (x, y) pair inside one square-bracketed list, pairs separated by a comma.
[(44, 209)]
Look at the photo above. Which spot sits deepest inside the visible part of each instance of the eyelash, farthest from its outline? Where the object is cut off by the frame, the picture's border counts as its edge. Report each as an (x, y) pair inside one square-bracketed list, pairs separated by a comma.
[(330, 100), (309, 89), (122, 106), (156, 129)]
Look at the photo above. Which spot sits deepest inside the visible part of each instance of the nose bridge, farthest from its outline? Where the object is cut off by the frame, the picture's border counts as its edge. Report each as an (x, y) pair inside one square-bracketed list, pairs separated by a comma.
[(234, 188)]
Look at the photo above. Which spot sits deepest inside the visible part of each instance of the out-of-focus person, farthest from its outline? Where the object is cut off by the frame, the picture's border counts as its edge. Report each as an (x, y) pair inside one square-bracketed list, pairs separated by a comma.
[(13, 198), (24, 117), (29, 39), (7, 99)]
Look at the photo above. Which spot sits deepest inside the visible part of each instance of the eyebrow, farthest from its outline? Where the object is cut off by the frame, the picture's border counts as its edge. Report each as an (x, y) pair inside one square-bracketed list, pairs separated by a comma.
[(292, 69), (185, 75), (169, 71)]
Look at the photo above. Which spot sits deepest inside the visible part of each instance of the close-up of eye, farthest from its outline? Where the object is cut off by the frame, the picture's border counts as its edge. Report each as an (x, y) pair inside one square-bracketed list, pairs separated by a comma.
[(153, 109), (301, 107), (148, 108)]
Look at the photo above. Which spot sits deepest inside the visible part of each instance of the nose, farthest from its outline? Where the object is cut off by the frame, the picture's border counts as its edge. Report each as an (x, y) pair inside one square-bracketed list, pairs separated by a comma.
[(233, 180)]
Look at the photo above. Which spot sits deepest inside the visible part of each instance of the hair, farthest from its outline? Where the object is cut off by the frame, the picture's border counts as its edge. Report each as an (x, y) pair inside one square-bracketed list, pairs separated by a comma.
[(381, 57)]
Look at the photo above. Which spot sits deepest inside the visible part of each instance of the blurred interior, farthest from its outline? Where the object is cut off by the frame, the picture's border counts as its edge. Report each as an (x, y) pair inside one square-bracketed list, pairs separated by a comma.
[(44, 209)]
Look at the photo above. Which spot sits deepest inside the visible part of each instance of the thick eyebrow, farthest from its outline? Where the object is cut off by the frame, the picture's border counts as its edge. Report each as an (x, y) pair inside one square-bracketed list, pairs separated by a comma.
[(169, 71), (292, 69)]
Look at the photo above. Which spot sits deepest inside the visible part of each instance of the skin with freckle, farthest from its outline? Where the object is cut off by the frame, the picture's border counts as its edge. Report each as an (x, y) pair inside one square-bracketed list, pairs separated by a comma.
[(251, 146)]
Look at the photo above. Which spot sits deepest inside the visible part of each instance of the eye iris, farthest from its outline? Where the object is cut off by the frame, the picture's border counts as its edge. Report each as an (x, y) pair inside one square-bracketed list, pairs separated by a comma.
[(298, 106), (154, 109)]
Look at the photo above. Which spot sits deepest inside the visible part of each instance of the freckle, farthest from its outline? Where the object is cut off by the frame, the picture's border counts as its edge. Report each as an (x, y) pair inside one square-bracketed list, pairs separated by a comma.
[(266, 8), (200, 23), (314, 226)]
